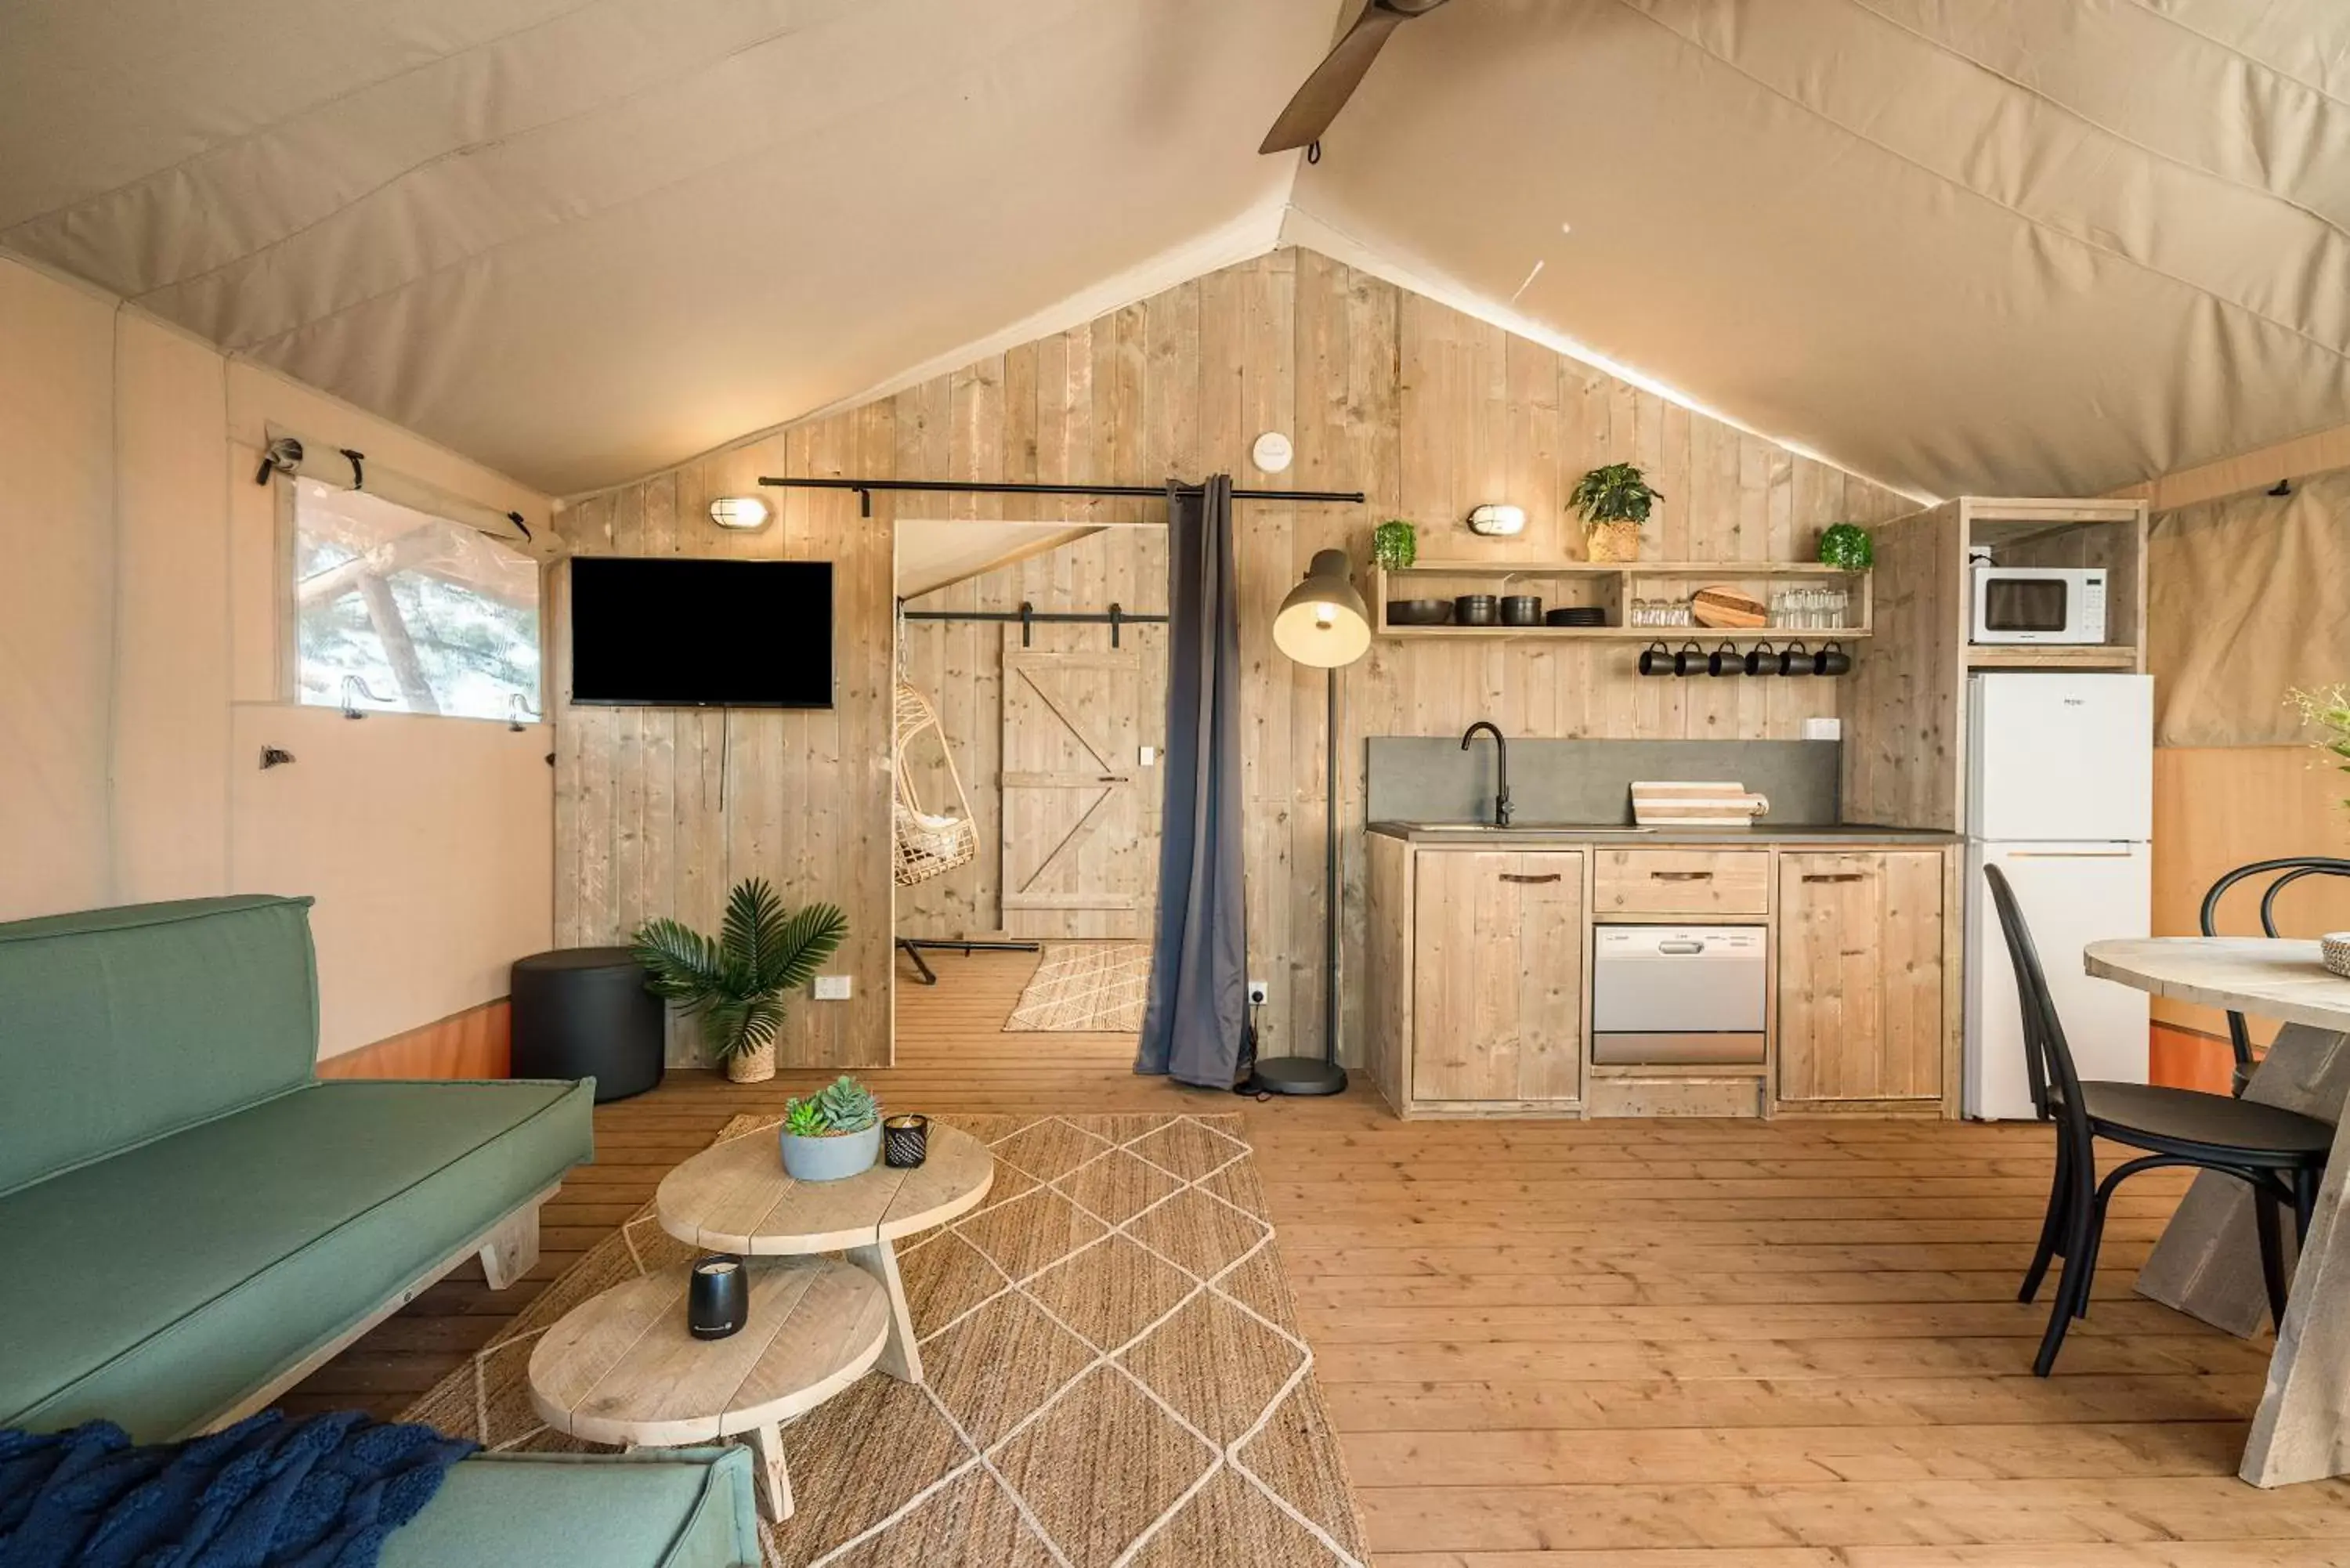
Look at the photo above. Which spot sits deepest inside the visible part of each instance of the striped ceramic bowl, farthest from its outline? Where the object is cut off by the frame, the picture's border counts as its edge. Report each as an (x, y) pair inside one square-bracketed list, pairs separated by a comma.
[(2335, 947)]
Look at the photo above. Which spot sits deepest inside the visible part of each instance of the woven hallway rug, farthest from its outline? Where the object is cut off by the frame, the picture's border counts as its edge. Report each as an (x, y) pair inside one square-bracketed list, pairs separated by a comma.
[(1095, 988), (1115, 1375)]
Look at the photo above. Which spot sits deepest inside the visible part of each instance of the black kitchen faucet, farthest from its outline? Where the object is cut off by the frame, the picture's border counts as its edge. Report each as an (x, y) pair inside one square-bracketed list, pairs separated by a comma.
[(1502, 763)]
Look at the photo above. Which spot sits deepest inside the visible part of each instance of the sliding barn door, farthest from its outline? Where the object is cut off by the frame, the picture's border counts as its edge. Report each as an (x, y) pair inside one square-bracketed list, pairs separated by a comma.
[(1080, 818)]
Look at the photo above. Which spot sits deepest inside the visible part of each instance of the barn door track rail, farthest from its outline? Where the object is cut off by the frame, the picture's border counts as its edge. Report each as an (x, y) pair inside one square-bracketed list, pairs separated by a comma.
[(866, 487), (1029, 618)]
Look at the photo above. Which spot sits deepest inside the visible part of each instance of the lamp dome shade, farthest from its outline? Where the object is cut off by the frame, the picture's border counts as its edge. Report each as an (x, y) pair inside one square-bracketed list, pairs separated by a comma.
[(1324, 621)]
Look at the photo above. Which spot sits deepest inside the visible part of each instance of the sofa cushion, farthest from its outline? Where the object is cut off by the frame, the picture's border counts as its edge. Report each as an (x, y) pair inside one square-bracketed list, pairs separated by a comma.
[(122, 1026), (157, 1287), (657, 1508)]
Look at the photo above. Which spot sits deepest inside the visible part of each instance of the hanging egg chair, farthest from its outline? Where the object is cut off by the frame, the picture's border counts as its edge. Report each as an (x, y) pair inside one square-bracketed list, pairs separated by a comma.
[(927, 843)]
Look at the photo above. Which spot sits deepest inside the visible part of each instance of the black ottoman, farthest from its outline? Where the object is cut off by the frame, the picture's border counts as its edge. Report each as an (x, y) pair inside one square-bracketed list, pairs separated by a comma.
[(585, 1012)]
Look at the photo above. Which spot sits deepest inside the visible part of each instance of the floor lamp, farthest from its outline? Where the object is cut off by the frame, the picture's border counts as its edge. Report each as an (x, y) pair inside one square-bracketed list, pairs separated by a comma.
[(1323, 623)]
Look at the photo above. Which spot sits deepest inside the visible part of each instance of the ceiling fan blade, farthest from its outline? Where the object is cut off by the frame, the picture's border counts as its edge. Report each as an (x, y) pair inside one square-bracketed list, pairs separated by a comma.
[(1334, 81)]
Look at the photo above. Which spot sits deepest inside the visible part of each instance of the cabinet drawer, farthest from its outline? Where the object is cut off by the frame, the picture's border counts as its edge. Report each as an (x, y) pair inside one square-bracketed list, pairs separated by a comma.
[(1682, 882)]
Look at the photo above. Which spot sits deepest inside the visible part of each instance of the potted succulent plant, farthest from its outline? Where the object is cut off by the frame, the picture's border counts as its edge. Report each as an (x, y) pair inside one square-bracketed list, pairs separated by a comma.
[(833, 1134), (736, 982), (1614, 501)]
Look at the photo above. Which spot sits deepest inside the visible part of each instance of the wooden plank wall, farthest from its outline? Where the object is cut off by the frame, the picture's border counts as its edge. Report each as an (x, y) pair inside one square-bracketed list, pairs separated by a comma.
[(1425, 410), (960, 666)]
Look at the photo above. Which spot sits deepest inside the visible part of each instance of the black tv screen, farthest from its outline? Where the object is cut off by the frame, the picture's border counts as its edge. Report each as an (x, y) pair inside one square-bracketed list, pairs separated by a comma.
[(678, 633)]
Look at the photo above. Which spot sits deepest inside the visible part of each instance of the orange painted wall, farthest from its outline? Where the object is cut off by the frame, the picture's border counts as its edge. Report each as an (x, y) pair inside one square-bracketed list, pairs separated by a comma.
[(475, 1044)]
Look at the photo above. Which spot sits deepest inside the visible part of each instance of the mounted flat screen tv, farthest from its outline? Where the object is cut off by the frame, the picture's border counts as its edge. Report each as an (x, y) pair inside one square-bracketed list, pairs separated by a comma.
[(677, 633)]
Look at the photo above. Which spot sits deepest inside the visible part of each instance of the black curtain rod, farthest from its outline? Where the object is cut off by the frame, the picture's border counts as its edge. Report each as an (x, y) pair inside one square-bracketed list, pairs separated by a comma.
[(1028, 616), (866, 487)]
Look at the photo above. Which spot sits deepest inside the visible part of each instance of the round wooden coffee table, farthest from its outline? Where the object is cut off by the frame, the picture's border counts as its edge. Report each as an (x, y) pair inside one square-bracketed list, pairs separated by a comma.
[(621, 1368), (733, 1197)]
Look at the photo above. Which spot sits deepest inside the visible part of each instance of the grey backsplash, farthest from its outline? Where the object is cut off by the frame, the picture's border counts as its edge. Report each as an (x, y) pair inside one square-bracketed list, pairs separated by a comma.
[(1415, 778)]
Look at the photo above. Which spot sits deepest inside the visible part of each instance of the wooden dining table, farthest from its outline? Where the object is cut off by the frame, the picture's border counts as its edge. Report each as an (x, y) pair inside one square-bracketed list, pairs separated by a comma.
[(2207, 1262)]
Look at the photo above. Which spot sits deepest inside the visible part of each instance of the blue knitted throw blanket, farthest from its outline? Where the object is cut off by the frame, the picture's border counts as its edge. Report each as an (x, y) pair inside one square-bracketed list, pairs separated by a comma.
[(268, 1492)]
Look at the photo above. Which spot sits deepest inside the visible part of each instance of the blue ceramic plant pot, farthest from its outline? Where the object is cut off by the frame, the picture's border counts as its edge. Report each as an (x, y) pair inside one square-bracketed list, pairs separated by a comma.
[(834, 1158)]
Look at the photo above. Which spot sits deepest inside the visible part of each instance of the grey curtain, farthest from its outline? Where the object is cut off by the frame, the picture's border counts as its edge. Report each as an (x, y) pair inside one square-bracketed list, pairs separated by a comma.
[(1197, 1018)]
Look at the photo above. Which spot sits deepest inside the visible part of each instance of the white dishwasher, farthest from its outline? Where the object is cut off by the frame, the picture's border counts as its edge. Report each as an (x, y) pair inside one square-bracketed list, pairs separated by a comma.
[(1678, 995)]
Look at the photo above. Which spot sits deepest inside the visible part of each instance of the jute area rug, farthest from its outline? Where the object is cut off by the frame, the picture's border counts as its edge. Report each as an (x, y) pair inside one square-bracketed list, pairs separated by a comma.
[(1085, 987), (1115, 1375)]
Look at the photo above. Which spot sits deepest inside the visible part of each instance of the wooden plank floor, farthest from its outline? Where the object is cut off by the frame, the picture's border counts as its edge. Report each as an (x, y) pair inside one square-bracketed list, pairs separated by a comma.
[(1664, 1345)]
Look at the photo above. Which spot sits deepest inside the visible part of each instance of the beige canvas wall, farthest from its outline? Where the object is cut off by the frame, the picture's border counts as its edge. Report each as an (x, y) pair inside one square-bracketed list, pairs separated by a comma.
[(142, 656), (56, 623), (1423, 408)]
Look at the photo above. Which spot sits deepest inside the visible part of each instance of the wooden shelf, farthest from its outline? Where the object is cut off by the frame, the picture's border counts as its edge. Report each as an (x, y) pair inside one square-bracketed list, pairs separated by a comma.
[(1610, 584), (1670, 636), (2050, 655)]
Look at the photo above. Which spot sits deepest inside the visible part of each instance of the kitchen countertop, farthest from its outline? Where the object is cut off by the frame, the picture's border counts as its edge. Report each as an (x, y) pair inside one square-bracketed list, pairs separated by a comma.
[(1540, 833)]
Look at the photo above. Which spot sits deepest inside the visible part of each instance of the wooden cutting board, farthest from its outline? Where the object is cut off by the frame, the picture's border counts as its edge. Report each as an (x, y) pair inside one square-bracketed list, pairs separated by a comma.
[(1727, 609), (1678, 804)]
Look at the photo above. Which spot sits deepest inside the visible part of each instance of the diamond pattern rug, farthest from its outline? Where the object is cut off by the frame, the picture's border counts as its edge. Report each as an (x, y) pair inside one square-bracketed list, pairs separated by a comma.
[(1093, 988), (1115, 1375)]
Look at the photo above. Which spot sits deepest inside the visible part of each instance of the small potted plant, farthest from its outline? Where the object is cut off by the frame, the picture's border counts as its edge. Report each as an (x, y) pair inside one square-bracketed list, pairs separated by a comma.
[(1614, 501), (736, 982), (1846, 545), (833, 1134), (1395, 544)]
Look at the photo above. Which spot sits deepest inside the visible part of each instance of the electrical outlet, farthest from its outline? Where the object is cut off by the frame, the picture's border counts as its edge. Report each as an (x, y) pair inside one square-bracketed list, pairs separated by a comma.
[(831, 988), (1149, 756), (1258, 992)]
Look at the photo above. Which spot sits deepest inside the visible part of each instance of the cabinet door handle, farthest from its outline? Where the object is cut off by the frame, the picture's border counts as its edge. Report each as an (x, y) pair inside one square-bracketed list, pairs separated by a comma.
[(1515, 877), (1111, 778), (1836, 875), (1681, 876)]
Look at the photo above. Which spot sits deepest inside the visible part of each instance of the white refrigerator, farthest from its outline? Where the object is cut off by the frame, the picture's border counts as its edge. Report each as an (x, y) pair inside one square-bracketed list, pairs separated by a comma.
[(2060, 797)]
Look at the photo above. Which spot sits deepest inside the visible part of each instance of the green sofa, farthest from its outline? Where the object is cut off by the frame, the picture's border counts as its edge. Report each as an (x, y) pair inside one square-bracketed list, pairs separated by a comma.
[(190, 1220)]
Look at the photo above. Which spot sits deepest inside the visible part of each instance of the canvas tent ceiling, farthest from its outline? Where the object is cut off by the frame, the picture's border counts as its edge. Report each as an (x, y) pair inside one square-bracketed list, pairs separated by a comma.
[(2047, 245)]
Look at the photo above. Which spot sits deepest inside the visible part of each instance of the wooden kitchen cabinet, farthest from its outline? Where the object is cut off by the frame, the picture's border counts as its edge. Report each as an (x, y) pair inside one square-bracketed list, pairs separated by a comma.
[(1861, 995), (1497, 957)]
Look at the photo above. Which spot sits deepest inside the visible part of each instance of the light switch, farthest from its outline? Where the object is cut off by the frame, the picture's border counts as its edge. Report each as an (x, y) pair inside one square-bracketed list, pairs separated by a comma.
[(831, 988), (1823, 729), (1149, 756)]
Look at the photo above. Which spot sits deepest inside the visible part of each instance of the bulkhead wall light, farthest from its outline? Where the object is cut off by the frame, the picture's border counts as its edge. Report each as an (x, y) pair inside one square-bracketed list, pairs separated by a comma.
[(739, 512)]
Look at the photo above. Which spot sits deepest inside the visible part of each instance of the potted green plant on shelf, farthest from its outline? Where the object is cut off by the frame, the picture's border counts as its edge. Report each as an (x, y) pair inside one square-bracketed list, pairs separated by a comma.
[(1614, 501), (1395, 544), (833, 1134), (1848, 546), (735, 982)]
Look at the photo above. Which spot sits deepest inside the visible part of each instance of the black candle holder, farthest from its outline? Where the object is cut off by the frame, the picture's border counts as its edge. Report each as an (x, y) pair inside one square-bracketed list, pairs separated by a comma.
[(717, 1299), (905, 1141)]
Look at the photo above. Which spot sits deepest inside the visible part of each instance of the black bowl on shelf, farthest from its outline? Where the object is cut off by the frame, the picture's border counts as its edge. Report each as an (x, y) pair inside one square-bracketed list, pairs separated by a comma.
[(1477, 609), (1418, 612), (1522, 609), (1576, 615)]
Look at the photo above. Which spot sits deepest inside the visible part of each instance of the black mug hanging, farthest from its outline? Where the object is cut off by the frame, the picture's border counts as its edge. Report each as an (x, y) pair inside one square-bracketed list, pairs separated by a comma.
[(1724, 661), (1832, 660), (1689, 659), (1761, 660), (1794, 659), (1655, 660)]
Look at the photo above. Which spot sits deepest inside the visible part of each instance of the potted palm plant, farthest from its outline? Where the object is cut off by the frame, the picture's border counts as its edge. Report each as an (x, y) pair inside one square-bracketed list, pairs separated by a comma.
[(735, 983), (832, 1134), (1615, 500)]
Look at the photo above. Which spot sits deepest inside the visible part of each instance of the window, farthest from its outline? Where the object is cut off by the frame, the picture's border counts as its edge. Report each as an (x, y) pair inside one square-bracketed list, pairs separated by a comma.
[(396, 610)]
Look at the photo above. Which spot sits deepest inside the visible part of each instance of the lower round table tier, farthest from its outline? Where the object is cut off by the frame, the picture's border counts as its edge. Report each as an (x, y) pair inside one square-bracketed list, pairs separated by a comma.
[(585, 1012)]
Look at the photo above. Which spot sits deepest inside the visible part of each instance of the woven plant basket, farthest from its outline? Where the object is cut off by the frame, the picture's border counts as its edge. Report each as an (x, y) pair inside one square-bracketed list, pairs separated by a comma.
[(756, 1067), (1613, 540)]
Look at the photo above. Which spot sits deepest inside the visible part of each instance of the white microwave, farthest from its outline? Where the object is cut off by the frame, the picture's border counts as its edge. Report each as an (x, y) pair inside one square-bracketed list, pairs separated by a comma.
[(2039, 604)]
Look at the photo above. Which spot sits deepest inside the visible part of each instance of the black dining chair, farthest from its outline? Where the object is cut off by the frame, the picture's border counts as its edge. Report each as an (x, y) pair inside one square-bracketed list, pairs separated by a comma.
[(2287, 870), (2278, 1154)]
